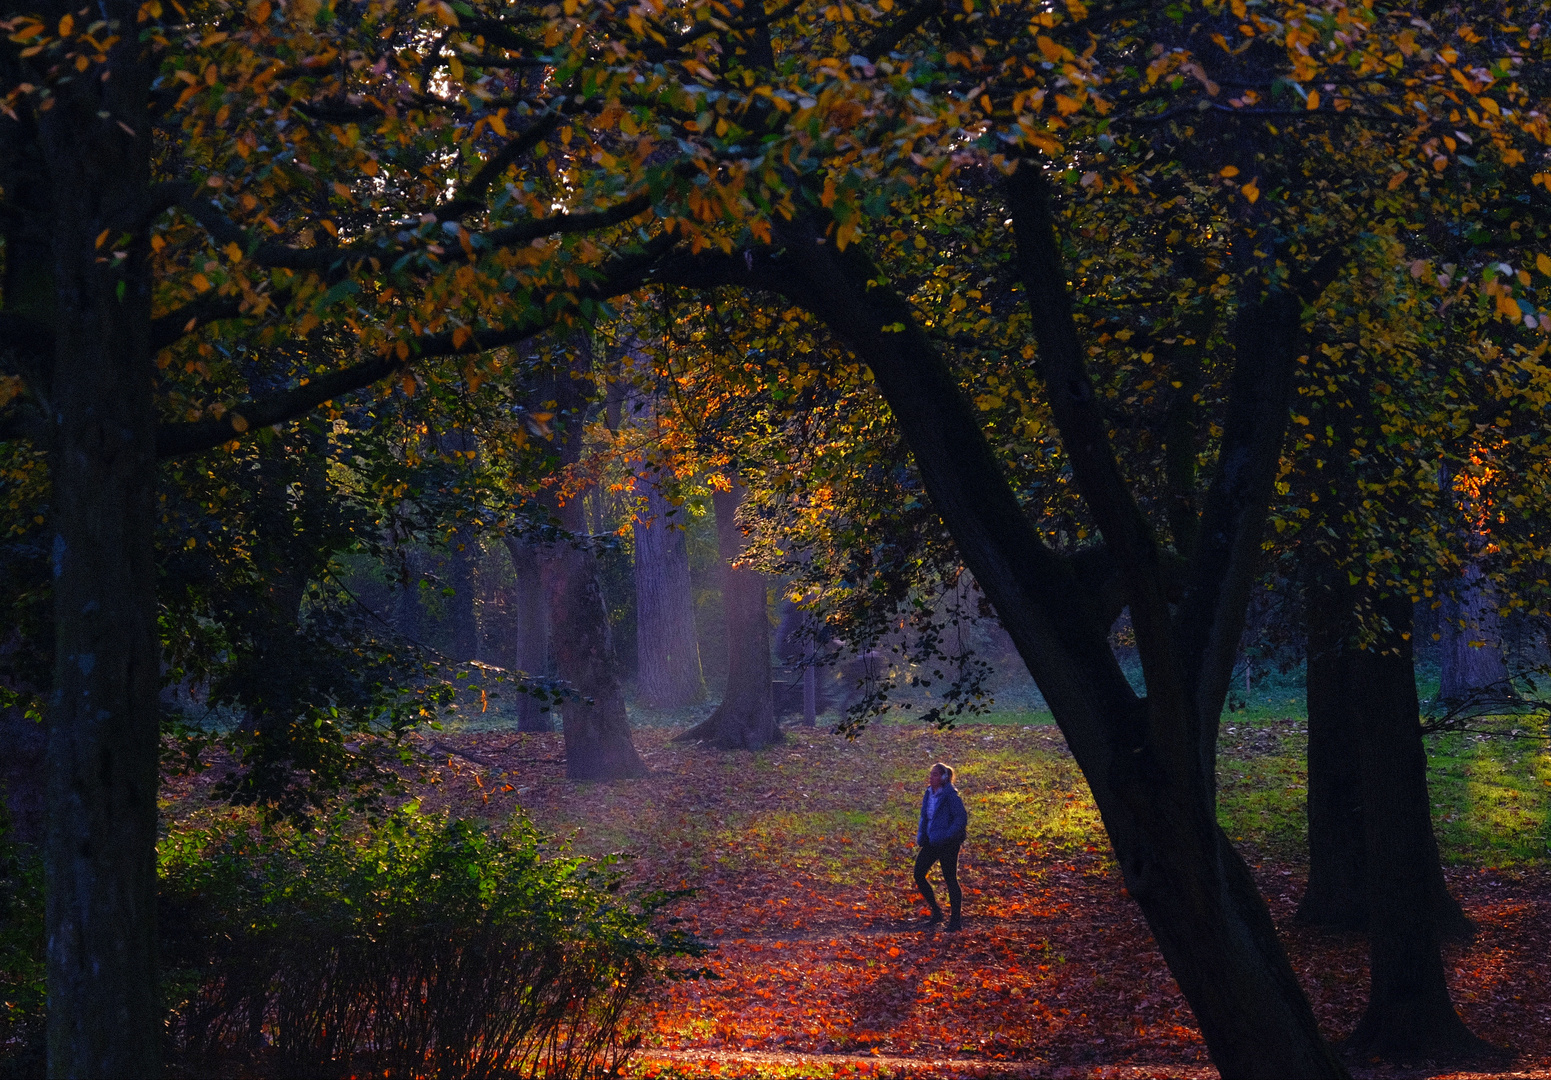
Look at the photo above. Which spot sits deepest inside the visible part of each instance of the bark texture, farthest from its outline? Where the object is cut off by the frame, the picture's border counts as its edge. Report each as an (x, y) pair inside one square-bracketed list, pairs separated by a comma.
[(1409, 1015), (1341, 678), (594, 722), (668, 672), (597, 731), (408, 613), (1471, 662), (745, 719), (530, 650), (1336, 895), (104, 1019)]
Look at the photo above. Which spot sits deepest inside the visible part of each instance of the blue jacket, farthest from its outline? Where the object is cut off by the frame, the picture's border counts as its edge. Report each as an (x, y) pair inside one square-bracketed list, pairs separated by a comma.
[(950, 822)]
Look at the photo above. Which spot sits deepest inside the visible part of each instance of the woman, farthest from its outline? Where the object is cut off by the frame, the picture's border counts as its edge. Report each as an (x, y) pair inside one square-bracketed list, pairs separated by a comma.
[(944, 822)]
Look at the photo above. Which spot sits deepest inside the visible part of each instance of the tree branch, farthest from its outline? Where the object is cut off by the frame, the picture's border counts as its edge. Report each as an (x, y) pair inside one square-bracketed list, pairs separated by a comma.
[(885, 40), (338, 262), (176, 440), (1075, 408), (624, 274), (170, 328)]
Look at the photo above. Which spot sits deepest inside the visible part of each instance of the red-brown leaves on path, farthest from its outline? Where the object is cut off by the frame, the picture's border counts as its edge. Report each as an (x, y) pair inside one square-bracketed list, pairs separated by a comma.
[(801, 857)]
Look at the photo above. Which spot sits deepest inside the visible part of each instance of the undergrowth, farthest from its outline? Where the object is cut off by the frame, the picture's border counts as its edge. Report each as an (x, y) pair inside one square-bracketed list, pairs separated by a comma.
[(423, 946)]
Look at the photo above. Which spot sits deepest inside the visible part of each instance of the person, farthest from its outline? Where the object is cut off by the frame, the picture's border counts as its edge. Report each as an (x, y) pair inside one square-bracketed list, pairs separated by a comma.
[(944, 822)]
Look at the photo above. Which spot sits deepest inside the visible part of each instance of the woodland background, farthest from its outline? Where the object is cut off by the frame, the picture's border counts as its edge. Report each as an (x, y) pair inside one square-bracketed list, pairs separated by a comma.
[(405, 404)]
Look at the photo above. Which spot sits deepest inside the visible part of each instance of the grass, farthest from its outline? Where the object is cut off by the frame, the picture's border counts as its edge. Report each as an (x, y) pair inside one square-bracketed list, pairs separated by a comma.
[(799, 860), (1491, 788)]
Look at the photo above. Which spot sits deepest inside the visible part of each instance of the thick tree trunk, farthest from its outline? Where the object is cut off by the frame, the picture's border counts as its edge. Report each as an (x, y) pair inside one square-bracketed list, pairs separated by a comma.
[(530, 650), (1471, 660), (594, 722), (103, 1019), (745, 719), (1336, 895), (1339, 676), (668, 674), (1409, 1015), (597, 731)]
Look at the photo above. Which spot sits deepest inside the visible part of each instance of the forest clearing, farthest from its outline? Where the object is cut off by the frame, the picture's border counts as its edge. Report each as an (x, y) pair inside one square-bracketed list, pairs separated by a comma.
[(511, 512), (799, 860)]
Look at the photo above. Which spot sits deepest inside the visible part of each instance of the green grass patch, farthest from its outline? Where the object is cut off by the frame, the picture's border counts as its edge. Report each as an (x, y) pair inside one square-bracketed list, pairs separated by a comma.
[(1492, 793)]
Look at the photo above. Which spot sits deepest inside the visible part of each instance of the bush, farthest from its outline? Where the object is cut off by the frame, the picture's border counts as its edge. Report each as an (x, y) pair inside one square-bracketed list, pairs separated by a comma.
[(22, 1014), (424, 947)]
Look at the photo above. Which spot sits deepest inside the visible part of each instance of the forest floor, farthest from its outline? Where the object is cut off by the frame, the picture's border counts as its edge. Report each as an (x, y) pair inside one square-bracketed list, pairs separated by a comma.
[(800, 860)]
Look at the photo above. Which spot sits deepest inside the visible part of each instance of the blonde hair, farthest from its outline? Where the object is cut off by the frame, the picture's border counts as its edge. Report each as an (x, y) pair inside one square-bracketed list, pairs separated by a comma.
[(947, 772)]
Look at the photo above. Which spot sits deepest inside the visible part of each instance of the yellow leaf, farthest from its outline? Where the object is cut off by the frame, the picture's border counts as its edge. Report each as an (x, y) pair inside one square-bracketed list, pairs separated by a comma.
[(66, 24), (1067, 105), (1543, 264), (1040, 141), (102, 238), (1313, 101), (1251, 190), (259, 12), (1231, 170), (201, 283), (1396, 180), (1051, 50), (233, 251), (498, 122)]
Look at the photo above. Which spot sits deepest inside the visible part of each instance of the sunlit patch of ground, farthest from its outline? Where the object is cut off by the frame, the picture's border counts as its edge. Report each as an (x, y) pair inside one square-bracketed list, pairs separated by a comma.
[(801, 857)]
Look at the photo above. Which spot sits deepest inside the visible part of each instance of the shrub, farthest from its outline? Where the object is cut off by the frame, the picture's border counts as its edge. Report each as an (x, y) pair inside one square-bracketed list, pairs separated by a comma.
[(22, 1012), (423, 947)]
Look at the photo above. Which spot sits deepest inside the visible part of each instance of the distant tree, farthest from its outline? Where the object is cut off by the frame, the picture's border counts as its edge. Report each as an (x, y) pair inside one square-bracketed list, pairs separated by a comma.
[(529, 652), (745, 719), (593, 718), (668, 673)]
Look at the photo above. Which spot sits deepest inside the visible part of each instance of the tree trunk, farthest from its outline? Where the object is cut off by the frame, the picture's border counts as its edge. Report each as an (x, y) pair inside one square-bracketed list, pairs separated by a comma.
[(1409, 1015), (1471, 660), (1336, 895), (745, 719), (530, 651), (408, 614), (668, 674), (597, 731), (100, 853), (594, 722), (462, 555), (1339, 678)]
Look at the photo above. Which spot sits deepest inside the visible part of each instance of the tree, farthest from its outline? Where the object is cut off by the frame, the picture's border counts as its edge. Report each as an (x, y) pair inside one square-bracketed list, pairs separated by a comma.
[(668, 672), (593, 719), (745, 719), (530, 650)]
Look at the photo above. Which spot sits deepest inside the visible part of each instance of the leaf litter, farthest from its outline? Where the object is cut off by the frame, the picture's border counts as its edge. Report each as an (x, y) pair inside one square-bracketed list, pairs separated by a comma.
[(800, 861)]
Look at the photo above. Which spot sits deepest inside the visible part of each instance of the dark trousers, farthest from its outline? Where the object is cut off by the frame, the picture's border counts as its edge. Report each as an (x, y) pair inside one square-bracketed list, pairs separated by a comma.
[(948, 855)]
